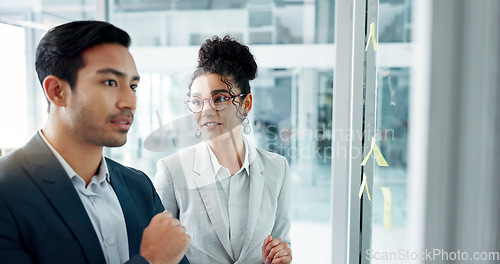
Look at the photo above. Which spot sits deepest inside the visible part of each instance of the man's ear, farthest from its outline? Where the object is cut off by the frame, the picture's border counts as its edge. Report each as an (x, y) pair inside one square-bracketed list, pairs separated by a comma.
[(56, 90), (247, 103)]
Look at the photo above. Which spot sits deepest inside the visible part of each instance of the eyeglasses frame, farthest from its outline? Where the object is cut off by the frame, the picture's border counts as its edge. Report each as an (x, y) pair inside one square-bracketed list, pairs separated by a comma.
[(210, 104)]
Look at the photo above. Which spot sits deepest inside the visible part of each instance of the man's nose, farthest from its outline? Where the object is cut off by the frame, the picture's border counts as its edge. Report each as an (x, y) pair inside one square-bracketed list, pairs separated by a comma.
[(127, 99)]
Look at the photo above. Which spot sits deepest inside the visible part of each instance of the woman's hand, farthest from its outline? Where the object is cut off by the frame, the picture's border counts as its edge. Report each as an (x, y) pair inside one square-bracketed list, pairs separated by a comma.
[(275, 251)]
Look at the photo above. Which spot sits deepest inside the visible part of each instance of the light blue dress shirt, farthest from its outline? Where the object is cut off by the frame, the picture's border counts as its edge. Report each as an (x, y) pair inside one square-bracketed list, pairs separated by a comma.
[(103, 208)]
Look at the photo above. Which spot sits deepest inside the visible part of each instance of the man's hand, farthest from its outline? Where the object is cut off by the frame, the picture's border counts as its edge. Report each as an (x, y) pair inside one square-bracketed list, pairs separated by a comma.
[(164, 240), (276, 251)]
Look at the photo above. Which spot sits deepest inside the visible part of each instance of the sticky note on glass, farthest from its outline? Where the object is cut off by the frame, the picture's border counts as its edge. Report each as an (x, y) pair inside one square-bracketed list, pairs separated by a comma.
[(364, 185), (379, 158), (386, 192), (371, 37)]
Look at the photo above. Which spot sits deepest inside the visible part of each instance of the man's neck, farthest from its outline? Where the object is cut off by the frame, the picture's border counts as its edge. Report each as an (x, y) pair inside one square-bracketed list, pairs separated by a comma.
[(84, 158)]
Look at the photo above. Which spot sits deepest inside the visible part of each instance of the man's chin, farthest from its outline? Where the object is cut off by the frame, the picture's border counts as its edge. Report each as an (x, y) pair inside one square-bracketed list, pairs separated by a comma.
[(115, 143)]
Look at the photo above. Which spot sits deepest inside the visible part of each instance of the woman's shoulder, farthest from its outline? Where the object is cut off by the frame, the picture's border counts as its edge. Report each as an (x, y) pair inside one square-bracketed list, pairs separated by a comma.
[(181, 155), (267, 154), (270, 159), (178, 167), (273, 166)]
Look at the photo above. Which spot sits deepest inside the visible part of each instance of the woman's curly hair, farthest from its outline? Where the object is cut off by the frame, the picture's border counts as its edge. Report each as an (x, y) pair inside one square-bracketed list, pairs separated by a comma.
[(228, 58)]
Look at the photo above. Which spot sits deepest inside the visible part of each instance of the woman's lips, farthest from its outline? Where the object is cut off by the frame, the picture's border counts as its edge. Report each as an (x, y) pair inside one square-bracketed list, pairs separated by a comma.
[(211, 125)]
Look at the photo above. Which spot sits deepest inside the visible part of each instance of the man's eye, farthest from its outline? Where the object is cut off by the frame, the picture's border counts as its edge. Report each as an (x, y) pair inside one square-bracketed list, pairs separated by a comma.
[(110, 83), (133, 87)]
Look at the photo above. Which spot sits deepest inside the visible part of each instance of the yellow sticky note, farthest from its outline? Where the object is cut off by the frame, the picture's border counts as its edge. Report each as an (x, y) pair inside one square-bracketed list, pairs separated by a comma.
[(386, 192), (368, 39), (379, 158), (362, 187), (372, 37), (378, 155), (364, 184), (374, 40), (365, 160)]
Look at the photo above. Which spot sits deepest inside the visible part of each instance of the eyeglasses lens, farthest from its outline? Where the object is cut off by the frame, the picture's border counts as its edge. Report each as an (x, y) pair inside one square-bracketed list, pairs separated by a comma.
[(218, 102)]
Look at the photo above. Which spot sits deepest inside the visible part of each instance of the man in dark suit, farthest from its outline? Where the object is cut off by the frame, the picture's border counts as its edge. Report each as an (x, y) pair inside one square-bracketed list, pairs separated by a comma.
[(61, 200)]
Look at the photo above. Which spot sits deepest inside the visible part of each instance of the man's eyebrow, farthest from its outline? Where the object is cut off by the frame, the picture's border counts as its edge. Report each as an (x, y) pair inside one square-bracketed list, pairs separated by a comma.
[(110, 70), (116, 72)]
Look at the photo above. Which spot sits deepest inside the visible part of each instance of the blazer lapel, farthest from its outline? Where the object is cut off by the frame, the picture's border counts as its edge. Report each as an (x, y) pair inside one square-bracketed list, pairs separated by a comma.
[(207, 188), (257, 182), (129, 212), (49, 175)]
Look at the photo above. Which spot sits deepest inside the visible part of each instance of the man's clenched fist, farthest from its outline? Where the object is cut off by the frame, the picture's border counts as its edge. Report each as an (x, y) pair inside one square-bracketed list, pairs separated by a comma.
[(164, 240)]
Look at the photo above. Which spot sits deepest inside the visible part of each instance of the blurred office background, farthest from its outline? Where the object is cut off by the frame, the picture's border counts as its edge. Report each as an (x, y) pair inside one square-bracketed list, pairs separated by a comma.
[(324, 89)]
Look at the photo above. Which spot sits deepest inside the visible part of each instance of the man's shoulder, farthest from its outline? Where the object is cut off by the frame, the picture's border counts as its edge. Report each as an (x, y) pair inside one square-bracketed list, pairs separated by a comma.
[(135, 184), (12, 162), (15, 176), (114, 165), (34, 152), (130, 175)]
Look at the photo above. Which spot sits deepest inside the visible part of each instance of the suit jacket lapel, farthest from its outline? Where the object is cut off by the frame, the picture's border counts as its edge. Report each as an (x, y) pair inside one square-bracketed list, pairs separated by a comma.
[(257, 182), (207, 188), (129, 212), (54, 182)]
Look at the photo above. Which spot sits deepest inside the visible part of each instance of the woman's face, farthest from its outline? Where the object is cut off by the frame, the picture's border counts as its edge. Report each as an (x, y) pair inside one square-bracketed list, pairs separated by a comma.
[(216, 124)]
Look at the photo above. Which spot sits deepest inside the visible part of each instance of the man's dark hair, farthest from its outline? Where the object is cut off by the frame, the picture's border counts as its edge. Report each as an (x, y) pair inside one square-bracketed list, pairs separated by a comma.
[(59, 52)]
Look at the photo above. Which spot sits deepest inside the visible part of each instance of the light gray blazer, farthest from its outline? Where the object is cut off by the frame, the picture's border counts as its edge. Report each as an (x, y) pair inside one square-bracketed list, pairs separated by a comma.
[(186, 184)]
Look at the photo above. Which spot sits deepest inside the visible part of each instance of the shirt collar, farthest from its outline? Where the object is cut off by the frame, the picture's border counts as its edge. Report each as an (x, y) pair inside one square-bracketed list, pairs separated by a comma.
[(103, 168), (216, 165)]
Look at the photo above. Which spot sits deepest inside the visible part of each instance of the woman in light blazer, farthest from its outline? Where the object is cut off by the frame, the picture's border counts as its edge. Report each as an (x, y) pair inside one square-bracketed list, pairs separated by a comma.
[(233, 198)]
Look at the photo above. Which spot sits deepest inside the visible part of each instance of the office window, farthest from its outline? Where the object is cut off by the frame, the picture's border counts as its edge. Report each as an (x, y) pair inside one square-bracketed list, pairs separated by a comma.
[(385, 231), (14, 101), (172, 23), (292, 112), (292, 109), (57, 11)]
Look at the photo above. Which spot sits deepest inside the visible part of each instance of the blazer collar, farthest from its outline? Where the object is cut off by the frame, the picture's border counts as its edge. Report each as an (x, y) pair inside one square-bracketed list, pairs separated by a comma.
[(208, 191), (202, 158), (53, 181), (257, 183), (216, 165), (128, 209), (103, 167), (205, 183)]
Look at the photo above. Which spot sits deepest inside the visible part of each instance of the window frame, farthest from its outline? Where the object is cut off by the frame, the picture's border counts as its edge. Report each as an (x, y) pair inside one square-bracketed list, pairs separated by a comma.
[(347, 116), (354, 111)]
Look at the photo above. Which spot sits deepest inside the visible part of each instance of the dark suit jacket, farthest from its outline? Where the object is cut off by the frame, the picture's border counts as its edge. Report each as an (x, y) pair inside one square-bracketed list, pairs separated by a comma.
[(42, 219)]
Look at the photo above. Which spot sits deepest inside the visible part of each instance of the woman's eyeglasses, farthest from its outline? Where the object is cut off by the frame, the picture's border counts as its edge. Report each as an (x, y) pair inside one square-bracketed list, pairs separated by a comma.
[(218, 102)]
